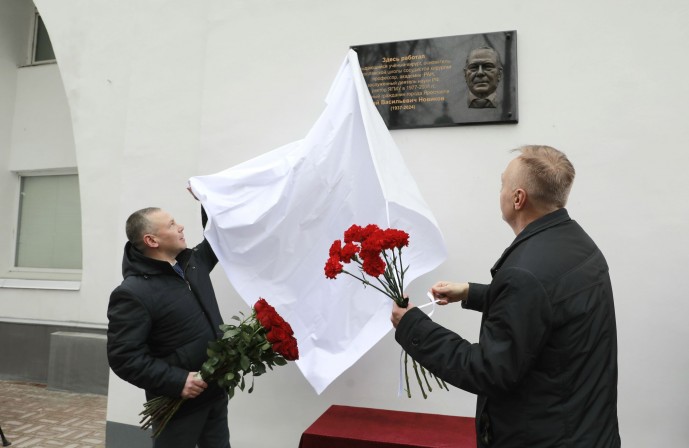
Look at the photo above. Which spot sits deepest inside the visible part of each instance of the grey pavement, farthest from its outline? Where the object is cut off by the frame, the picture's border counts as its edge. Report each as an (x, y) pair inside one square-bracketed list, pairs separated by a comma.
[(33, 416)]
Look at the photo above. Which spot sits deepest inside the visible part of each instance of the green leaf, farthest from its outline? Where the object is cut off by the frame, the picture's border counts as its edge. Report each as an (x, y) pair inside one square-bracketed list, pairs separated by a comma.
[(280, 361), (212, 361), (229, 334), (244, 362), (229, 376), (259, 369)]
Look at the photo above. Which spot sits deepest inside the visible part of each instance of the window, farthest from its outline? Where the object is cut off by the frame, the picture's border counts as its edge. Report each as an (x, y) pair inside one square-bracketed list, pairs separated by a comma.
[(49, 227), (42, 49)]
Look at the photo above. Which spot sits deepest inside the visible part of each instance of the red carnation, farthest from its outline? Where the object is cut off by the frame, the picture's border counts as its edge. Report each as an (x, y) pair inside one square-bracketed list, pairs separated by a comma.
[(374, 243), (357, 234), (353, 234), (378, 254), (333, 267), (348, 252), (374, 266), (335, 249), (394, 238)]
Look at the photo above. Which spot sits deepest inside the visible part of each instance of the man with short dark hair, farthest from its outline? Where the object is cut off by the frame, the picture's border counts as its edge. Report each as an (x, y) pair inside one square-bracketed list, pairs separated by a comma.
[(161, 319), (545, 366)]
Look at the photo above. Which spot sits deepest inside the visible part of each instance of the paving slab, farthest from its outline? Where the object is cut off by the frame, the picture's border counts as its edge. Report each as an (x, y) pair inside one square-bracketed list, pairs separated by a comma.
[(31, 415)]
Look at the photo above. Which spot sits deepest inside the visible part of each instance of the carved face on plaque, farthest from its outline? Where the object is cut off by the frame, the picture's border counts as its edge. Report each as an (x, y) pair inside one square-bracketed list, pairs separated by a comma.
[(482, 73)]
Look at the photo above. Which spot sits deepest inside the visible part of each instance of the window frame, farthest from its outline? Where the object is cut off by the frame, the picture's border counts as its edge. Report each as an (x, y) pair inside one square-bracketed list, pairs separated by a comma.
[(31, 273), (34, 42)]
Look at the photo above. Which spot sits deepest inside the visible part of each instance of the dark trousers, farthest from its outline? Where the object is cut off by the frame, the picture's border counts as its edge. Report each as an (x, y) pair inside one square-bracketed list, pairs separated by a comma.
[(204, 428)]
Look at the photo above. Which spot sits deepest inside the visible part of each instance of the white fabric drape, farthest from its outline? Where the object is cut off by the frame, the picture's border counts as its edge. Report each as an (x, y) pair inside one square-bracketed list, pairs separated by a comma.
[(272, 220)]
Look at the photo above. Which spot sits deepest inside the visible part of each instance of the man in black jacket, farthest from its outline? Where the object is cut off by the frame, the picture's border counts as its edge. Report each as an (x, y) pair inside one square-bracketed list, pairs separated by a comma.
[(161, 319), (545, 366)]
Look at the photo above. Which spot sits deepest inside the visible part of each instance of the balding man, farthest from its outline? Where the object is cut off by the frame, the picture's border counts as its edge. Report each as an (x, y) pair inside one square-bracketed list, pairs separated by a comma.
[(545, 365)]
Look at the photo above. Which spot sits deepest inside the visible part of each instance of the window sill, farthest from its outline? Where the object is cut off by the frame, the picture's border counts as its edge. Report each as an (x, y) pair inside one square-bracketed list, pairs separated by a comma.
[(20, 283), (39, 63)]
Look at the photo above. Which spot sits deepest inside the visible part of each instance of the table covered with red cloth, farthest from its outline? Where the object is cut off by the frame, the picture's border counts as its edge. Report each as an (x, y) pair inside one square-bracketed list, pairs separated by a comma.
[(354, 427)]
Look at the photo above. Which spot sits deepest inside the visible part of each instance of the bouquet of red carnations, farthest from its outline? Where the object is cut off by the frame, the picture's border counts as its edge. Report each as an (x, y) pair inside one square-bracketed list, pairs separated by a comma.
[(257, 343), (378, 254)]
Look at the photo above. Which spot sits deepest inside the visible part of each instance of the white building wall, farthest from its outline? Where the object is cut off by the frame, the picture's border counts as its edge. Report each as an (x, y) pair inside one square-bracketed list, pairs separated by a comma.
[(10, 53), (42, 126), (35, 136), (160, 92)]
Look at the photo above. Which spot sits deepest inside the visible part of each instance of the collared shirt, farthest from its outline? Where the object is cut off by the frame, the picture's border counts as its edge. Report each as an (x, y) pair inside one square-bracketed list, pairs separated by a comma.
[(178, 269), (475, 102)]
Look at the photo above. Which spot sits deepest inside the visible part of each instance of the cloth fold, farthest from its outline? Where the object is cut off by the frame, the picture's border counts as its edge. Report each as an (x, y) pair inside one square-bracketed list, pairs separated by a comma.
[(273, 218)]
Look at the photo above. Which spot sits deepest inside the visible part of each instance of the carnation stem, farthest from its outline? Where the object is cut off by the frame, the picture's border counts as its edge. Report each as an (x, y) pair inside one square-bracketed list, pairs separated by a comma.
[(402, 270), (388, 287), (391, 274), (406, 373), (366, 282), (441, 382), (398, 271), (394, 276), (423, 372), (418, 378)]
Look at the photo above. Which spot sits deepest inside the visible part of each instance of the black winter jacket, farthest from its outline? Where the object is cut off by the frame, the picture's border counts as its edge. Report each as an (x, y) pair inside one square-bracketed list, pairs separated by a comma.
[(545, 367), (160, 324)]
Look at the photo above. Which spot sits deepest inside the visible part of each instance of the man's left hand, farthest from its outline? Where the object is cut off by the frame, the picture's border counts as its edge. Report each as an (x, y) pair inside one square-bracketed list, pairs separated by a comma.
[(398, 313)]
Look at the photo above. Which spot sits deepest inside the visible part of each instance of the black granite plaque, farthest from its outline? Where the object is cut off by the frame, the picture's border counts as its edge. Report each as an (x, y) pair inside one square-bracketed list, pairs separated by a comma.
[(443, 81)]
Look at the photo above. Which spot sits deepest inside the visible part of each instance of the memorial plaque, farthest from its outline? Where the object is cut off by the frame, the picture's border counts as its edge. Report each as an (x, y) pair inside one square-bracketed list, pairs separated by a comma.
[(443, 81)]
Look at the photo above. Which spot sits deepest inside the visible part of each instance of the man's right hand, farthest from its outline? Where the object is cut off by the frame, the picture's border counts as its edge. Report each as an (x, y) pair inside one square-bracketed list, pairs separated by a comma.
[(194, 386), (449, 292)]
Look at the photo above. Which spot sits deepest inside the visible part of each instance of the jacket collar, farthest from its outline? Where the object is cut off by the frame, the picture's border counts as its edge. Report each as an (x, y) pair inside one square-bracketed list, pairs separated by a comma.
[(136, 263), (544, 222)]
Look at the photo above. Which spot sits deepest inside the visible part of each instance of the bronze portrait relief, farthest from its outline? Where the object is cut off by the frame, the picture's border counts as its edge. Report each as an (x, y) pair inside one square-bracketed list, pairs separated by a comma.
[(482, 73)]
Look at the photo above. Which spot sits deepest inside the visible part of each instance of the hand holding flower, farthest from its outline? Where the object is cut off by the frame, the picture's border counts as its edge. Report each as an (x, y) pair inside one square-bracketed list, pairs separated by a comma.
[(399, 312), (258, 342), (193, 386)]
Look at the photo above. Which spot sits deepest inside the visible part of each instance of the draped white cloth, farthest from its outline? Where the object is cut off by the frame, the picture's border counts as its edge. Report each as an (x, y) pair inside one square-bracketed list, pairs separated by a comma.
[(272, 220)]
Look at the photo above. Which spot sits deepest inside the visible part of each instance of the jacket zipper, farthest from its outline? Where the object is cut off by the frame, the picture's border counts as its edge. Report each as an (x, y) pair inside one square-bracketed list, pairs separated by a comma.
[(184, 270)]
